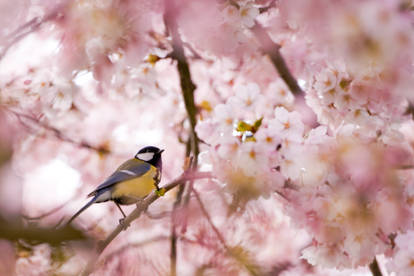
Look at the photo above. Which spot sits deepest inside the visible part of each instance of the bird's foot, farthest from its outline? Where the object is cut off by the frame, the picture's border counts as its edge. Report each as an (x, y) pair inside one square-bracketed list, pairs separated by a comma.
[(123, 223), (160, 192)]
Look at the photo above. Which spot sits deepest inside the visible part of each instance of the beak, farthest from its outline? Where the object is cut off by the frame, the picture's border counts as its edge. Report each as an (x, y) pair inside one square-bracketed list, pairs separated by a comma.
[(161, 151)]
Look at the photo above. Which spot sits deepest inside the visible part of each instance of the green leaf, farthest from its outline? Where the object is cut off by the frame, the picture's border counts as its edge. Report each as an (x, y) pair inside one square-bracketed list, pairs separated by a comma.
[(243, 126), (257, 124)]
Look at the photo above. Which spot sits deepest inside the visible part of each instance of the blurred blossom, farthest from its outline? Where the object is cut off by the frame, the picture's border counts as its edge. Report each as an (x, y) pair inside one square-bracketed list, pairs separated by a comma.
[(318, 184), (358, 203), (55, 177), (220, 26), (12, 12), (8, 259), (40, 90), (288, 125), (36, 262), (367, 102), (10, 182), (11, 189), (402, 262), (248, 13), (94, 30)]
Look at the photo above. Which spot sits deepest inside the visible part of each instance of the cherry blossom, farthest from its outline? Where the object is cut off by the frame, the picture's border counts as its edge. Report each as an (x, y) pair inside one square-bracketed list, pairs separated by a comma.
[(403, 261), (287, 127)]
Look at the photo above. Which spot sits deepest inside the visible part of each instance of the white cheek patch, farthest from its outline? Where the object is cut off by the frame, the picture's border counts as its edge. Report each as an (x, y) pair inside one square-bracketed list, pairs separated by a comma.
[(146, 156)]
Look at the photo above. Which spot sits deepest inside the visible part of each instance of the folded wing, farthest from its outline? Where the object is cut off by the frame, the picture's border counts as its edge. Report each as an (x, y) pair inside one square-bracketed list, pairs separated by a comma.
[(130, 169)]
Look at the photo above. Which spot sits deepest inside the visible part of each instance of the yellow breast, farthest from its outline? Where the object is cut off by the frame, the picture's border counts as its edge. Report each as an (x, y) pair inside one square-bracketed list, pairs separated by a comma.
[(138, 187)]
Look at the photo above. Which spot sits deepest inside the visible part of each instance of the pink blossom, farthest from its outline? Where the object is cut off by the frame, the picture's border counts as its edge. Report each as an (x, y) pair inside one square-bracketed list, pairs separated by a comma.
[(402, 262), (311, 182), (288, 124)]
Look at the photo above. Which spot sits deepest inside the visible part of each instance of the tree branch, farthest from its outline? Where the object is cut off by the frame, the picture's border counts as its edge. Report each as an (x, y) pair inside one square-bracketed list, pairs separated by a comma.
[(374, 267), (272, 49), (15, 230), (410, 110), (141, 207), (187, 89), (187, 85)]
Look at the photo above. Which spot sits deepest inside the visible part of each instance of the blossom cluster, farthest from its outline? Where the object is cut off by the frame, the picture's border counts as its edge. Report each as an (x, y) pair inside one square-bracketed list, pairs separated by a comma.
[(332, 159), (244, 142)]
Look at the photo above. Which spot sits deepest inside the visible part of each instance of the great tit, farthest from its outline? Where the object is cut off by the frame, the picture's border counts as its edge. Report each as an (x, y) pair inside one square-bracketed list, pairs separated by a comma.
[(131, 182)]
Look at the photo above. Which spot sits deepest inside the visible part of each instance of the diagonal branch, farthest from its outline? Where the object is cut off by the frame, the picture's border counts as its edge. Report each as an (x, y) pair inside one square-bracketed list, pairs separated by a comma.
[(272, 49), (141, 207)]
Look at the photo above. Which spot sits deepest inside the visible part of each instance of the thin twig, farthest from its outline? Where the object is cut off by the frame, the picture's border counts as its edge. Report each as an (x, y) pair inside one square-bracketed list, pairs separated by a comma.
[(28, 28), (374, 267), (268, 7), (48, 213), (207, 215), (114, 254), (219, 235), (141, 207), (405, 167), (173, 251), (159, 215), (109, 257), (272, 49), (55, 209), (31, 123), (177, 203)]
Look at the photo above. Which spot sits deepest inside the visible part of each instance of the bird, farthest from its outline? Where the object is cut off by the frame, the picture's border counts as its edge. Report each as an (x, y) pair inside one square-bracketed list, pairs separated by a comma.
[(131, 182)]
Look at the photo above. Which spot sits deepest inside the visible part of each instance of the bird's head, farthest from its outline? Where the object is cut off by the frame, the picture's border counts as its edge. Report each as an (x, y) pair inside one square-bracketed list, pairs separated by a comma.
[(150, 155)]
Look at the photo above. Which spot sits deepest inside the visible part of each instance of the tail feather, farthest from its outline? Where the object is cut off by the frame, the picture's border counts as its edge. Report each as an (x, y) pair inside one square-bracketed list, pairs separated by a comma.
[(93, 200)]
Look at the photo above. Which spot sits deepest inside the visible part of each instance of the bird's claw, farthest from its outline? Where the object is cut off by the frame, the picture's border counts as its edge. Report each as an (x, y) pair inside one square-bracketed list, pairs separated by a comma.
[(123, 223), (160, 192)]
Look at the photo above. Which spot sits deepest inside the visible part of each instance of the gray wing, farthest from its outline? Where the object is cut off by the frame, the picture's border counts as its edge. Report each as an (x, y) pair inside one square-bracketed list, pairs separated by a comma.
[(130, 169)]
